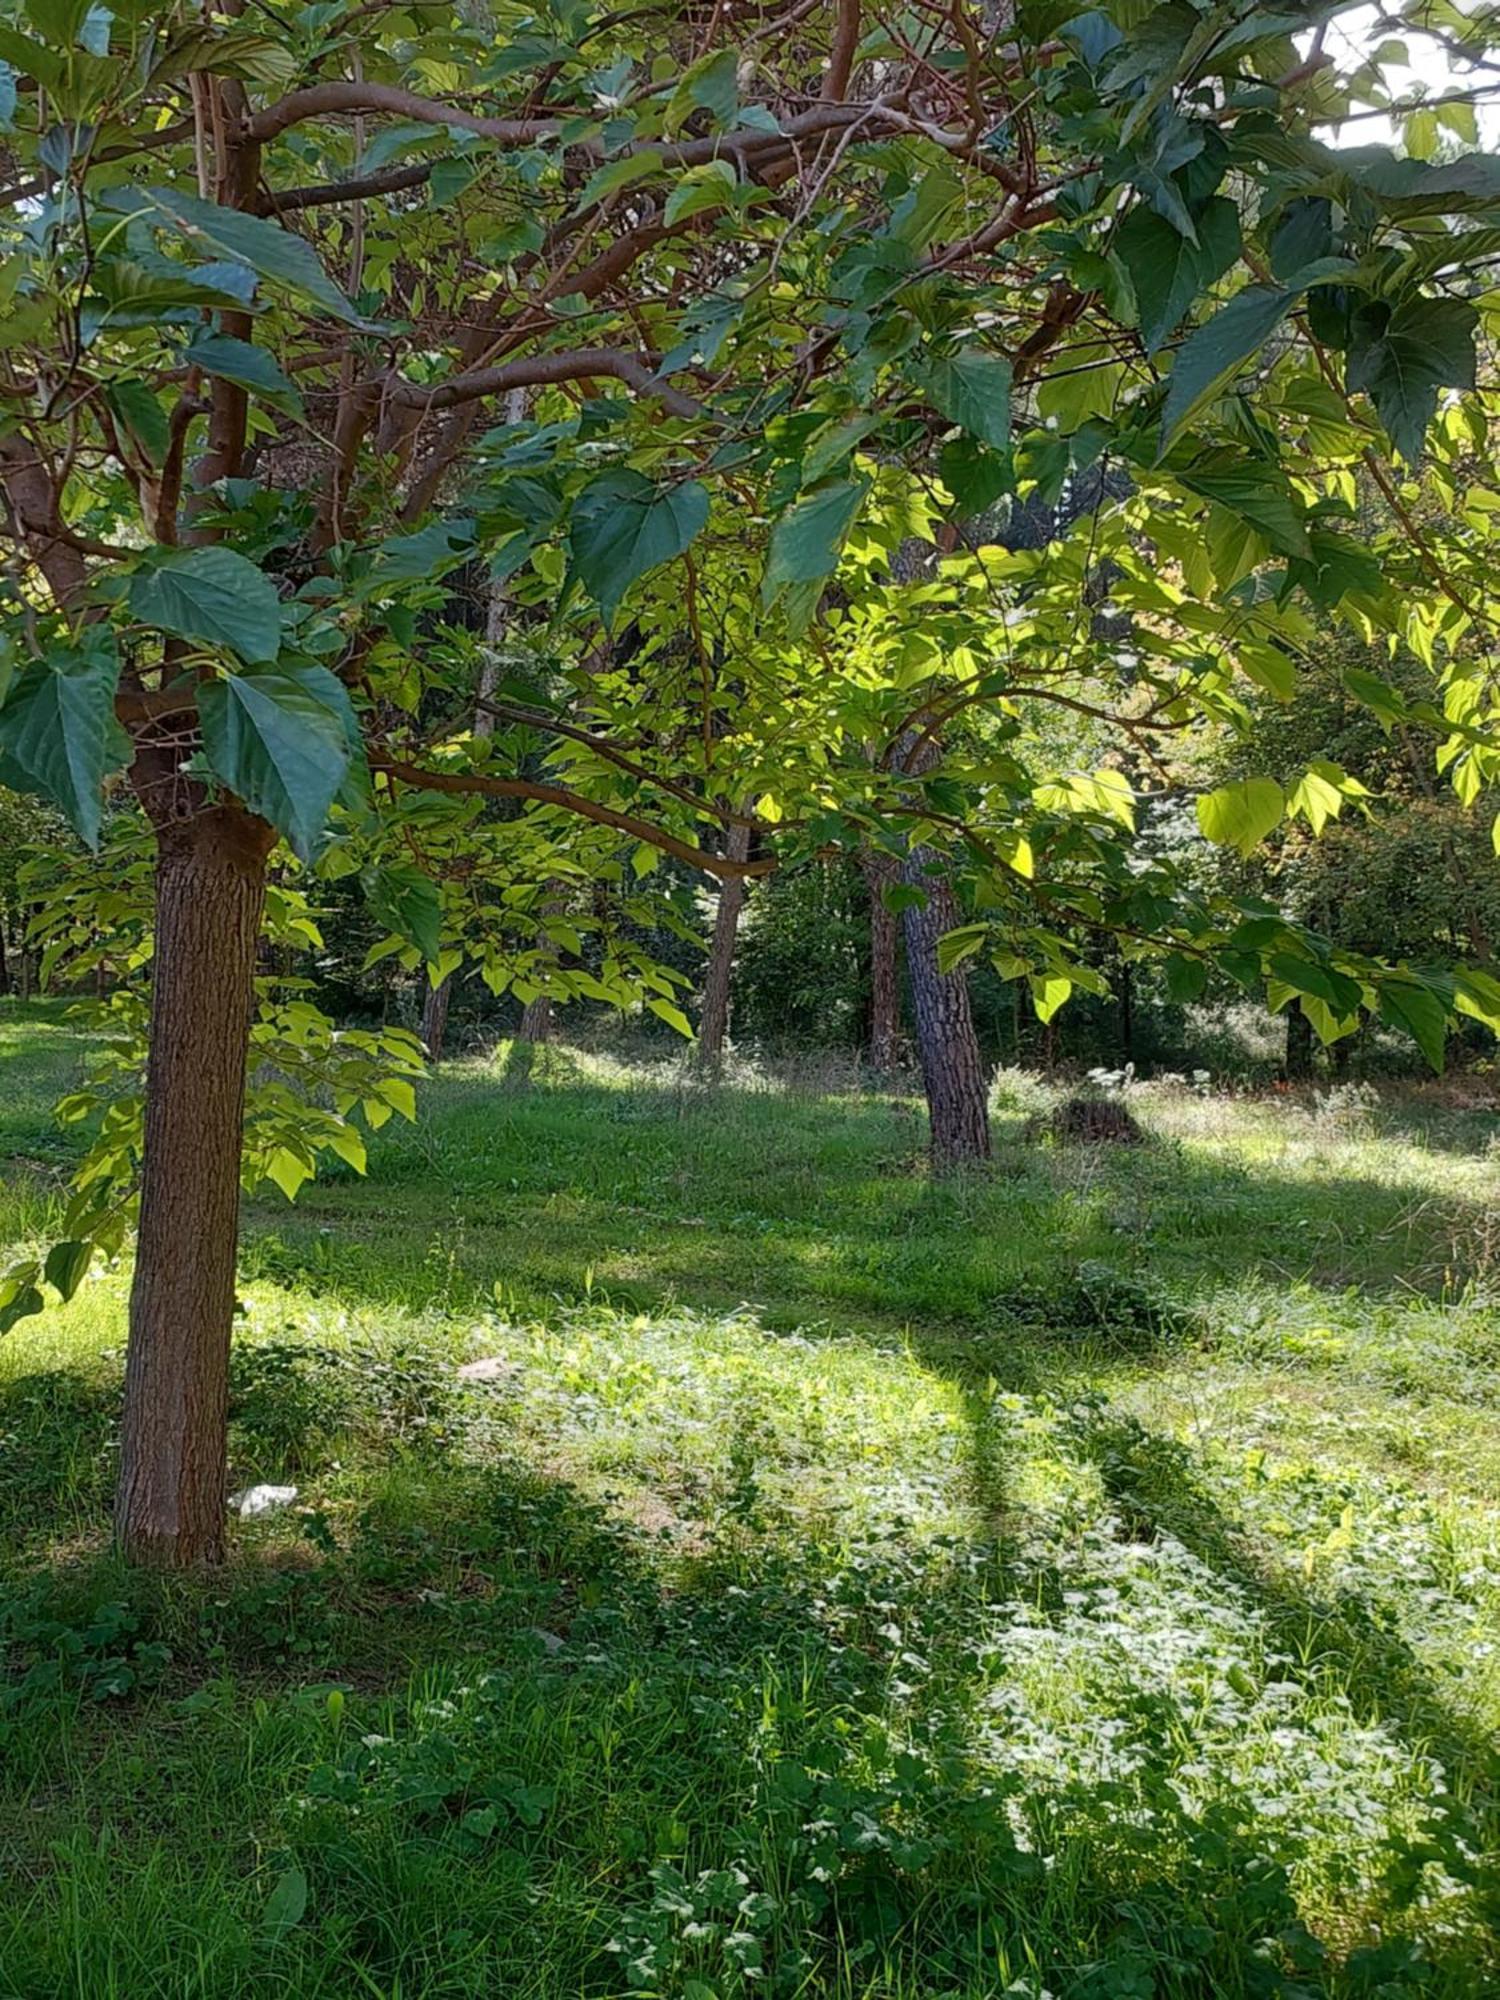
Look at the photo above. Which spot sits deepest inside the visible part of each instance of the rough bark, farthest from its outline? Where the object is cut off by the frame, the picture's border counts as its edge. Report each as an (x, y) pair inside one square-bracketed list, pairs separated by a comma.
[(952, 1067), (210, 889), (881, 872), (953, 1072), (536, 1020), (435, 1017), (718, 984)]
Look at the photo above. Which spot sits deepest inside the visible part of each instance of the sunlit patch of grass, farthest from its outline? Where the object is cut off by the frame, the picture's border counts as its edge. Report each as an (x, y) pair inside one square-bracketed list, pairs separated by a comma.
[(1083, 1579)]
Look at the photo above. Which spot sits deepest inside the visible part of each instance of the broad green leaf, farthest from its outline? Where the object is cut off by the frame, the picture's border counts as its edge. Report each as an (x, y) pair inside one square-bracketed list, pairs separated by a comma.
[(1215, 351), (806, 541), (1259, 494), (620, 173), (287, 1903), (954, 947), (1319, 794), (407, 902), (1406, 1003), (1402, 359), (1167, 272), (141, 416), (673, 1016), (700, 190), (279, 738), (19, 1297), (972, 389), (67, 1266), (59, 737), (213, 596), (251, 367), (1242, 814), (710, 85), (1049, 992), (274, 253), (625, 524)]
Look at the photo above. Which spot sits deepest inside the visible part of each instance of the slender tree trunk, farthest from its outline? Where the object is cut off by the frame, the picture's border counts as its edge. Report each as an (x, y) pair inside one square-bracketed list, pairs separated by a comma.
[(1126, 990), (1299, 1046), (435, 1017), (4, 961), (881, 871), (210, 889), (713, 1018), (952, 1067)]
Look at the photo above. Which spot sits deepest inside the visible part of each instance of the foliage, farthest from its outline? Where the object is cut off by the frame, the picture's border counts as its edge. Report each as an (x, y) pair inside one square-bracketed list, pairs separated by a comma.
[(777, 303)]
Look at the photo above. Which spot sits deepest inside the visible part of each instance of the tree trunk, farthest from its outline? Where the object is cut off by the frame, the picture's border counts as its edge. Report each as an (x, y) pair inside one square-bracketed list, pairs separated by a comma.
[(210, 889), (713, 1019), (952, 1068), (881, 872), (435, 1017), (1299, 1046), (536, 1020), (4, 961)]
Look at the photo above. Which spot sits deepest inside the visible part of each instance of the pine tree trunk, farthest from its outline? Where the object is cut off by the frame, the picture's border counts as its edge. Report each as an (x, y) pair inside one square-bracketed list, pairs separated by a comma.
[(713, 1018), (881, 872), (952, 1067), (435, 1018), (210, 889)]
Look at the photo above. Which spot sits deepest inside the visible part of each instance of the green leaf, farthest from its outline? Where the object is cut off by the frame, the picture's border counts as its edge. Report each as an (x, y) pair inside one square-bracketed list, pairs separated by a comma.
[(710, 85), (19, 1298), (1261, 495), (806, 541), (1318, 796), (617, 174), (58, 734), (673, 1016), (1242, 814), (67, 1266), (141, 416), (286, 1905), (1402, 359), (1215, 351), (407, 902), (273, 253), (972, 389), (699, 190), (955, 946), (1406, 1003), (280, 739), (624, 525), (1167, 272), (251, 367), (211, 595)]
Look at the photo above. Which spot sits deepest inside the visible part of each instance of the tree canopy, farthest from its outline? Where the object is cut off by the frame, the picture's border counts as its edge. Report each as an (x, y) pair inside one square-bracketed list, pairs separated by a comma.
[(709, 344)]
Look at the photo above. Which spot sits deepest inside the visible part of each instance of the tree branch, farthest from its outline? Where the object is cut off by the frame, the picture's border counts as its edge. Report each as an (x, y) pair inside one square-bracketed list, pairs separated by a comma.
[(573, 365), (466, 783), (318, 100)]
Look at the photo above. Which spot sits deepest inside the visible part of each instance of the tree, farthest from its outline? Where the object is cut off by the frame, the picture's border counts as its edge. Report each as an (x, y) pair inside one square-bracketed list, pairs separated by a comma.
[(787, 288)]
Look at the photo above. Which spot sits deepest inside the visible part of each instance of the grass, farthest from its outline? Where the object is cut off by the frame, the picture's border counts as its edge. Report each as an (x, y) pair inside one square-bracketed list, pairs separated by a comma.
[(1082, 1579)]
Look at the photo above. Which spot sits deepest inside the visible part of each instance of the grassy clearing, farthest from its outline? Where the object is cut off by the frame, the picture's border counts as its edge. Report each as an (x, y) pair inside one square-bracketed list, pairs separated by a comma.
[(1085, 1580)]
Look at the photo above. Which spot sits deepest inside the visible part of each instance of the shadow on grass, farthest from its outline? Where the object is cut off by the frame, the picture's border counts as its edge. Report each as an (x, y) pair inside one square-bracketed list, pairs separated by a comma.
[(563, 1757)]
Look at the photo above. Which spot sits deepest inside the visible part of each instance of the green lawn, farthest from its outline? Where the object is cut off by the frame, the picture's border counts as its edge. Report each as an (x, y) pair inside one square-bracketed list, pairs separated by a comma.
[(1079, 1580)]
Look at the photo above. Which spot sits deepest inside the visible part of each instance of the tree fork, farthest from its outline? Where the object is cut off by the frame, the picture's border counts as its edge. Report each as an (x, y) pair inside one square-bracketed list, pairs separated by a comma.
[(210, 891)]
